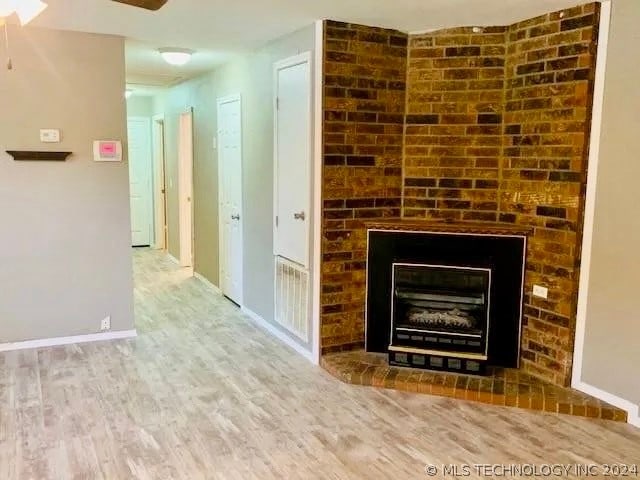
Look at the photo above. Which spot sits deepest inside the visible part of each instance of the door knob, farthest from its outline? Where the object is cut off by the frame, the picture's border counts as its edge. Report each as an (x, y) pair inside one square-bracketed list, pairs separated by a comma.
[(299, 216), (235, 217)]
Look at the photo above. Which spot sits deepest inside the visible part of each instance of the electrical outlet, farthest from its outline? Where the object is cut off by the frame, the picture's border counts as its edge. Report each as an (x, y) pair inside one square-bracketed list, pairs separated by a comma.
[(540, 291), (105, 324)]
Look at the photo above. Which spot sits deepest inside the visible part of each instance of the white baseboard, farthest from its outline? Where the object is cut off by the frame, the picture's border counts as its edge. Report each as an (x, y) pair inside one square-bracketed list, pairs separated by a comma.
[(633, 410), (173, 259), (52, 342), (204, 280), (280, 335)]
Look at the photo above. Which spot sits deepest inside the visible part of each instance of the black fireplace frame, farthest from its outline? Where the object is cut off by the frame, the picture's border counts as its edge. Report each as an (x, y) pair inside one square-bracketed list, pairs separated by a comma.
[(504, 254)]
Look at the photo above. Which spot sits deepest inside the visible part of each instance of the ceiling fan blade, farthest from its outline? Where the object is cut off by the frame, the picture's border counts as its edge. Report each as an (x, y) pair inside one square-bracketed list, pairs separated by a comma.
[(147, 4)]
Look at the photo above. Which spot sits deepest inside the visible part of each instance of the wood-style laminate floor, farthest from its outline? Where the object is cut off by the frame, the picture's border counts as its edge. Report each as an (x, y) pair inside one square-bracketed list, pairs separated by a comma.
[(203, 393)]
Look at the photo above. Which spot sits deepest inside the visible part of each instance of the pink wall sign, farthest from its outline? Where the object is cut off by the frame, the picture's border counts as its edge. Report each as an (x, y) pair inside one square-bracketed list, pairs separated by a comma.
[(108, 149)]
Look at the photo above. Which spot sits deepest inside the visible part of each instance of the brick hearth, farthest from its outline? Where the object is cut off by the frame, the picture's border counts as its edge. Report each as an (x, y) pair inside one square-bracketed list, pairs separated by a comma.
[(508, 387)]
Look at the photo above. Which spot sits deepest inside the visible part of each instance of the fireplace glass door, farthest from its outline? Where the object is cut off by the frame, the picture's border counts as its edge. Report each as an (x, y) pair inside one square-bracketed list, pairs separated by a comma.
[(440, 309)]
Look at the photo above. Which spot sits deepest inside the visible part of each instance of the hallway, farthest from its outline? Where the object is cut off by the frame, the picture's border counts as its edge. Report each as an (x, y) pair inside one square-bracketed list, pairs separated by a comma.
[(203, 393)]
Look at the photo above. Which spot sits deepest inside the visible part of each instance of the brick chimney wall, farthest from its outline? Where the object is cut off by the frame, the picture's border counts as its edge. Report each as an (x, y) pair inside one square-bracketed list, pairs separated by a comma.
[(496, 128)]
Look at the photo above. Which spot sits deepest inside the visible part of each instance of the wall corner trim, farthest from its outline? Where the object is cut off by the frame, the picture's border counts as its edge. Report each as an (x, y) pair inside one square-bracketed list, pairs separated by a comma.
[(57, 341), (633, 410), (316, 246), (284, 338)]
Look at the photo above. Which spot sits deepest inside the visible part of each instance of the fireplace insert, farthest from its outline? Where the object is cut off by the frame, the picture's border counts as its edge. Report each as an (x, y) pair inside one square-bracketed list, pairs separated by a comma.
[(445, 301), (440, 315)]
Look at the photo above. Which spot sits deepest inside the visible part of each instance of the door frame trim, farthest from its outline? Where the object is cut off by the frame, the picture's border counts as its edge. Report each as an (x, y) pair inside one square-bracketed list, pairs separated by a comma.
[(299, 59), (159, 183), (237, 97), (185, 208)]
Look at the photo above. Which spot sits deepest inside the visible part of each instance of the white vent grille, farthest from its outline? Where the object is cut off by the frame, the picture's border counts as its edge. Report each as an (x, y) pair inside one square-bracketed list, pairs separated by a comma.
[(292, 298)]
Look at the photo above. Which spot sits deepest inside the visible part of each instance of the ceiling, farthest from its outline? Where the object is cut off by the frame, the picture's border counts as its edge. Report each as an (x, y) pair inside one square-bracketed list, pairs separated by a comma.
[(221, 29)]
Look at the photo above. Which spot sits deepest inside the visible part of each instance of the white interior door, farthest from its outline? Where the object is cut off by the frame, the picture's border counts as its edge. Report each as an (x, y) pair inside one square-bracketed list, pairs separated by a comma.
[(230, 196), (293, 158), (185, 188), (140, 174)]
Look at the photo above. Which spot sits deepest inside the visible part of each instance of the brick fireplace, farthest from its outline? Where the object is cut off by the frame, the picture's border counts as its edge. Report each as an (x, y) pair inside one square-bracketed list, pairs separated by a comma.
[(466, 125)]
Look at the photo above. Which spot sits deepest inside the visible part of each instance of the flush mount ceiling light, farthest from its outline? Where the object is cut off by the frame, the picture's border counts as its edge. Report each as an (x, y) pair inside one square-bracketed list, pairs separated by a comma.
[(26, 10), (176, 56)]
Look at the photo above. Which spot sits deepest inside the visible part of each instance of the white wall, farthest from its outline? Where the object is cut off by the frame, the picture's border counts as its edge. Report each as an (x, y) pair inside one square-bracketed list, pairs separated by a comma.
[(65, 243), (611, 350), (139, 106)]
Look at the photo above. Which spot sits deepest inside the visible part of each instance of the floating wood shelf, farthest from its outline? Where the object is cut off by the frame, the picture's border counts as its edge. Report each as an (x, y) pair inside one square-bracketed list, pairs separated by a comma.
[(38, 156)]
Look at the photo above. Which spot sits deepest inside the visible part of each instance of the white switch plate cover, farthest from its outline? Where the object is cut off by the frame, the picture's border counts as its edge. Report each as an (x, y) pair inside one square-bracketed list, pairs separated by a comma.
[(105, 324), (540, 291), (49, 135)]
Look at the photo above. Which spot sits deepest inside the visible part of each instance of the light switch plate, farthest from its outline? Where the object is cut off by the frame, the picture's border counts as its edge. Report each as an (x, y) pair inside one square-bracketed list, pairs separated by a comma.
[(540, 291), (49, 135)]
